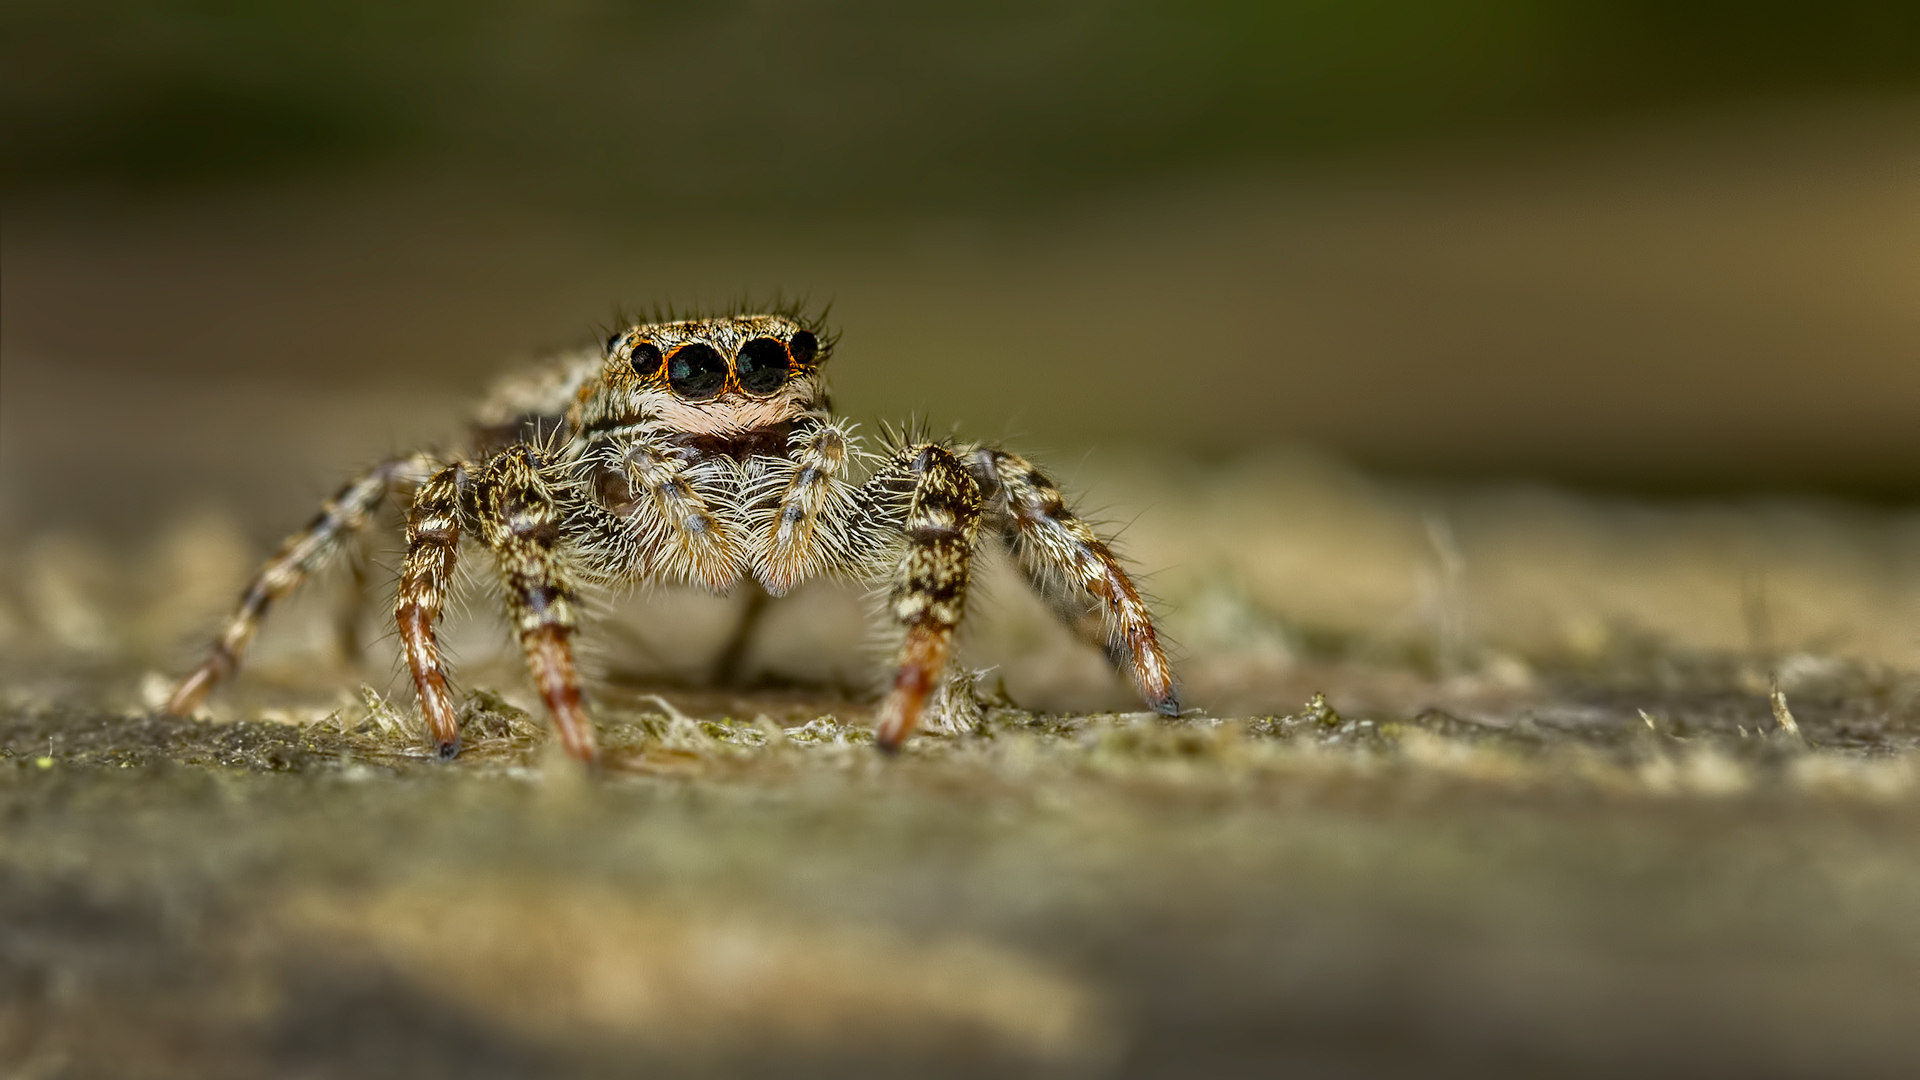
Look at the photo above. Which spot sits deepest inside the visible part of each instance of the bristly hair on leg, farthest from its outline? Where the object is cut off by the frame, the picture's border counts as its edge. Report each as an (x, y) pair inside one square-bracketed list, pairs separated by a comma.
[(908, 434), (1071, 564)]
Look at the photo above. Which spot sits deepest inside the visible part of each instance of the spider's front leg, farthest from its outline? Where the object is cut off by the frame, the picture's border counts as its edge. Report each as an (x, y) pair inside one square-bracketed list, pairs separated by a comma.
[(941, 522), (1074, 569), (521, 521), (433, 549), (299, 557)]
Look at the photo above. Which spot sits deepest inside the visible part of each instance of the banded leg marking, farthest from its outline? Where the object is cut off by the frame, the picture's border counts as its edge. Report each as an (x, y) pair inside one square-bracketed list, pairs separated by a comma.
[(803, 526), (433, 550), (678, 529), (521, 523), (299, 556), (929, 592), (1075, 571)]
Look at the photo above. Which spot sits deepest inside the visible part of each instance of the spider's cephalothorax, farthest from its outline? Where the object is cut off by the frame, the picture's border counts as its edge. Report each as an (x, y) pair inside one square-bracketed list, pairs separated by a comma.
[(704, 451)]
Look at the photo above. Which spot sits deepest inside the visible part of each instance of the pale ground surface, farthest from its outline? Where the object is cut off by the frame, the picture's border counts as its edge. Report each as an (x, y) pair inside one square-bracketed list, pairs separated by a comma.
[(1548, 823)]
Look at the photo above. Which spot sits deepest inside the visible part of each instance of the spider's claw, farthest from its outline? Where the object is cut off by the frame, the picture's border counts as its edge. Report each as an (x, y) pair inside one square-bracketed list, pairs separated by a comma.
[(1167, 704), (192, 690), (448, 750)]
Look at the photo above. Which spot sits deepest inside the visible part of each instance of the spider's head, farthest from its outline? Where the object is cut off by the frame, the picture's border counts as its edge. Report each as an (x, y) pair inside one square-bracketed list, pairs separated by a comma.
[(720, 375)]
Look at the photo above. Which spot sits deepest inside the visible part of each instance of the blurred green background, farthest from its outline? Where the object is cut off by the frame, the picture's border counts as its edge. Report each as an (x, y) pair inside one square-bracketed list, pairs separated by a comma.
[(1645, 246), (775, 108)]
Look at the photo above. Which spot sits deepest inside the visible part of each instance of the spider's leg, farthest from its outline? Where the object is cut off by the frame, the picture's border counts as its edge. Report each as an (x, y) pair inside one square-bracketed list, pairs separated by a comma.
[(1074, 570), (433, 549), (726, 666), (303, 553), (941, 523), (351, 608), (521, 520)]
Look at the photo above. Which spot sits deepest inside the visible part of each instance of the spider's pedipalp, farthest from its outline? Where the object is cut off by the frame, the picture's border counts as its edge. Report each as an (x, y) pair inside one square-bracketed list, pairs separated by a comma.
[(1075, 571), (299, 557), (660, 516), (799, 512)]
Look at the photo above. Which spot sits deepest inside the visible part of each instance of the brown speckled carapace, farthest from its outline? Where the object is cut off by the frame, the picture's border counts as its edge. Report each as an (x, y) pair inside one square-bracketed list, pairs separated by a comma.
[(704, 451)]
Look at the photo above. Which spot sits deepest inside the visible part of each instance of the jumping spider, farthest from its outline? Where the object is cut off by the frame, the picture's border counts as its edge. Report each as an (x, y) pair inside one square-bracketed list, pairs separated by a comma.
[(703, 451)]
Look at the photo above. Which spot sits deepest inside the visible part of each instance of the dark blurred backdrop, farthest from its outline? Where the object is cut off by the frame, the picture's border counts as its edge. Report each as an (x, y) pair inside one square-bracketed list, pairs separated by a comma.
[(1654, 246)]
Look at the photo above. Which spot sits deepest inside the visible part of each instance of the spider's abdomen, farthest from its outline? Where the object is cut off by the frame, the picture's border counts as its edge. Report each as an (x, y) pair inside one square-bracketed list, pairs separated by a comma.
[(527, 429)]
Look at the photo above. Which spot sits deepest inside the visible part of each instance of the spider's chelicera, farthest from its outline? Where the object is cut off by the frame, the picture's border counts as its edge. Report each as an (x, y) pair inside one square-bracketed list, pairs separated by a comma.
[(704, 451)]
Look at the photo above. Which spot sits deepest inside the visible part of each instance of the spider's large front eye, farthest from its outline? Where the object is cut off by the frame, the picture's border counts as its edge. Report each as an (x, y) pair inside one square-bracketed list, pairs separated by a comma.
[(803, 346), (696, 371), (645, 358), (762, 364)]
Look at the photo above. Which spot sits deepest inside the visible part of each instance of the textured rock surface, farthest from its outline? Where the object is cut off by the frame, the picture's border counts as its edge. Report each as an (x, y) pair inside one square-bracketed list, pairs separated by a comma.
[(1546, 819)]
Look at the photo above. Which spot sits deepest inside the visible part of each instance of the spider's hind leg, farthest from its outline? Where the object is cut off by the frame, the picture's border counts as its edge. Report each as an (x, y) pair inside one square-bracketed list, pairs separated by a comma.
[(350, 607), (1074, 570), (301, 555), (733, 654)]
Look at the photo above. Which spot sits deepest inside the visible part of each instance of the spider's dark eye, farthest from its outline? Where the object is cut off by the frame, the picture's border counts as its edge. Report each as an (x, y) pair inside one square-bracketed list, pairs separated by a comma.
[(803, 345), (645, 358), (762, 364), (696, 371)]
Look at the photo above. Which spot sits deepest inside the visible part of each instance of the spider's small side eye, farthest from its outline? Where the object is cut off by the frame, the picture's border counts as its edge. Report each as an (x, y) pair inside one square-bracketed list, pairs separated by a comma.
[(613, 343), (803, 346), (645, 358), (696, 371), (762, 365)]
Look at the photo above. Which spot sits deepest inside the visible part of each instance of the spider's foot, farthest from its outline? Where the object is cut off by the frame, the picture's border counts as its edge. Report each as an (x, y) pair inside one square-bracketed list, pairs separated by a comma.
[(191, 691)]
